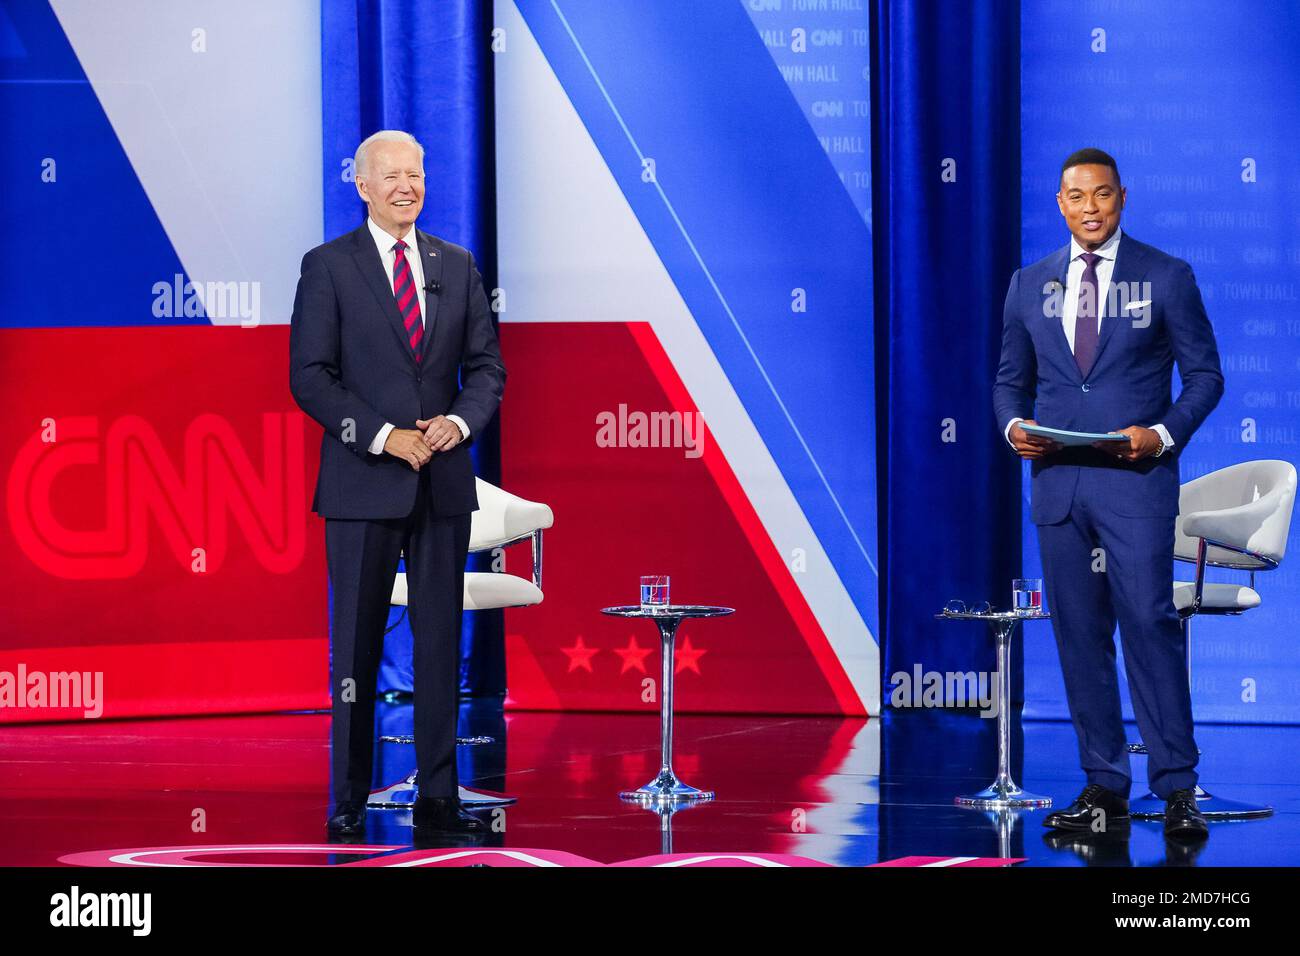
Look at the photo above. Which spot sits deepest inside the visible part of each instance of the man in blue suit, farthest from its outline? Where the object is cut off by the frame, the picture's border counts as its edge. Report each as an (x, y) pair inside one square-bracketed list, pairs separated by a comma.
[(393, 351), (1090, 337)]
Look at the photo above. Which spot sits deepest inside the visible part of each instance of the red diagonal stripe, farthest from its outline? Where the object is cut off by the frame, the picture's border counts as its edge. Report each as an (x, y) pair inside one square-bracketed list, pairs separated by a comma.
[(401, 270), (401, 280), (407, 298), (407, 304)]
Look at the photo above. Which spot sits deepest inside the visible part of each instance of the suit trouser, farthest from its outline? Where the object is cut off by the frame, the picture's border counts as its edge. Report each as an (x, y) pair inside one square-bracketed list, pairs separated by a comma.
[(362, 557), (1130, 580)]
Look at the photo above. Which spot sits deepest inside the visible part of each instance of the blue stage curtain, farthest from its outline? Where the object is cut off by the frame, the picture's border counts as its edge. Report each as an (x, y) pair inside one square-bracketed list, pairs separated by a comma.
[(423, 66), (945, 87)]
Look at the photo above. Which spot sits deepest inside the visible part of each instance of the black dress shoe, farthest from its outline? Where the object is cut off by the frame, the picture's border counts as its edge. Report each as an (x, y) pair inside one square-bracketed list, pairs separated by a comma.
[(1183, 818), (444, 815), (1096, 809), (348, 818)]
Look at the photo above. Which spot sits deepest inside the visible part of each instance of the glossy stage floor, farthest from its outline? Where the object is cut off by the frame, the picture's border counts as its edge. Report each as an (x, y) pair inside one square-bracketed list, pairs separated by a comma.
[(834, 791)]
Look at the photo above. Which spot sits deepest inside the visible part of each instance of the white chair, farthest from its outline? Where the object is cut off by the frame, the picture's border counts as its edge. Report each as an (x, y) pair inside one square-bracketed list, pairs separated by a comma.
[(502, 519), (1238, 518)]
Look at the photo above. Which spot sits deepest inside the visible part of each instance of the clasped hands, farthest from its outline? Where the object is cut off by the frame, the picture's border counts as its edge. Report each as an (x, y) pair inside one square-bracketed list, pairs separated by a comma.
[(416, 446), (1143, 442)]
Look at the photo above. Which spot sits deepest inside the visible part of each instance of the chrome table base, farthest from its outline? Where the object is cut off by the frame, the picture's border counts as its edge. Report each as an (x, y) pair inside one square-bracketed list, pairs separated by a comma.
[(1004, 793), (666, 789)]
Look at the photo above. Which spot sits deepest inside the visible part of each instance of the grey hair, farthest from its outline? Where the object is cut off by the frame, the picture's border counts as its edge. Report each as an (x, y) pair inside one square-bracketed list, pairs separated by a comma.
[(387, 136)]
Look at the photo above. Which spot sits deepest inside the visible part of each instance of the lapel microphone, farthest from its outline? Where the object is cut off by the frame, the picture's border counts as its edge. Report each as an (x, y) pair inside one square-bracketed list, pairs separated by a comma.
[(432, 285), (1055, 287)]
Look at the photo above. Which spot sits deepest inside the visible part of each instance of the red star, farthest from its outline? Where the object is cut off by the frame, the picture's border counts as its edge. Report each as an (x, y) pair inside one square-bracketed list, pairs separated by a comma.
[(580, 655), (633, 655), (688, 657)]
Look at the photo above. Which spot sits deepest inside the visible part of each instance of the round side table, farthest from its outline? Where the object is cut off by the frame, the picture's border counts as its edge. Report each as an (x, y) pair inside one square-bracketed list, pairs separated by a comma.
[(1004, 793), (666, 787)]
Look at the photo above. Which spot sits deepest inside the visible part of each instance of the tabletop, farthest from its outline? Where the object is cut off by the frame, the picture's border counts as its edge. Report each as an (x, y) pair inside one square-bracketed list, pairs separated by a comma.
[(668, 610), (991, 616)]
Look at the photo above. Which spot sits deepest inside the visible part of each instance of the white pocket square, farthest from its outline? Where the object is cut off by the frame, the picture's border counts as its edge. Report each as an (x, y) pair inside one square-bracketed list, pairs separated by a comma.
[(1137, 305)]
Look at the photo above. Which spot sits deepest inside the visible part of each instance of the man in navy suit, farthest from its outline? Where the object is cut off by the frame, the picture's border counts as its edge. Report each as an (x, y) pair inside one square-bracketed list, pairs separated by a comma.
[(1090, 337), (393, 351)]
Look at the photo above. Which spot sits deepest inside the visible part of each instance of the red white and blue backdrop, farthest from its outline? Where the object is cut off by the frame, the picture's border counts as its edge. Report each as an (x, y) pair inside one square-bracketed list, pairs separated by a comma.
[(683, 234), (748, 258), (162, 180)]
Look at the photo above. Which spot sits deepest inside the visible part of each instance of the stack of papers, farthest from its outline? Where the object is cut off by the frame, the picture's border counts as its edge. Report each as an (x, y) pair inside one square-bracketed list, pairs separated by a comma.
[(1072, 438)]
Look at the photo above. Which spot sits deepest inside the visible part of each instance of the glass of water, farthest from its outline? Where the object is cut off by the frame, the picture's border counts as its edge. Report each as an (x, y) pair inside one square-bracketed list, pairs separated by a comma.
[(1027, 596), (654, 592)]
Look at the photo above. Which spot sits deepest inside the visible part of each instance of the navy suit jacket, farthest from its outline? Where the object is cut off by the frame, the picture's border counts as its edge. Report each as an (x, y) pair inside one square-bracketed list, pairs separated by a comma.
[(351, 368), (1128, 384)]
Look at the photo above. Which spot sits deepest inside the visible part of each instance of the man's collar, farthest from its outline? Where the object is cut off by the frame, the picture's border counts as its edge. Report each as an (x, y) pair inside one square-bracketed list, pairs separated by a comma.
[(385, 241), (1107, 250)]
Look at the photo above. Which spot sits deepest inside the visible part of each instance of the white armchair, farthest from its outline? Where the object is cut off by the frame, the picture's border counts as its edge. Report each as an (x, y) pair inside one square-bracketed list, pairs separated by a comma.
[(502, 519), (1238, 518)]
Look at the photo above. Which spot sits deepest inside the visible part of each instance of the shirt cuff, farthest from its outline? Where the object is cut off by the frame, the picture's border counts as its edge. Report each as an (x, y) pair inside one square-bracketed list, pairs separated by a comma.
[(1164, 437), (460, 423), (1006, 432), (377, 446)]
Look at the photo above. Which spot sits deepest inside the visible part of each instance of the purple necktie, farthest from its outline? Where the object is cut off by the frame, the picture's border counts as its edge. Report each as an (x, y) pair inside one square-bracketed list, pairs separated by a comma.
[(1085, 319)]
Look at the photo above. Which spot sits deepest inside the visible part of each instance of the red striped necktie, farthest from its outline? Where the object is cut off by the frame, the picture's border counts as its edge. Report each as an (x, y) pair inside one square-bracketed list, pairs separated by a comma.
[(408, 296)]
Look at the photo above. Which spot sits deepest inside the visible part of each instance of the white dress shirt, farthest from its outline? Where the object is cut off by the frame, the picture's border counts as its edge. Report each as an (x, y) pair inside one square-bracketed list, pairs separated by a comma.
[(1070, 307), (384, 242)]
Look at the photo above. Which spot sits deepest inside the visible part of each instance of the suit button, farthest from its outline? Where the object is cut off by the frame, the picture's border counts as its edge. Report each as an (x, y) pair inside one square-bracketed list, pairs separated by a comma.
[(1084, 387)]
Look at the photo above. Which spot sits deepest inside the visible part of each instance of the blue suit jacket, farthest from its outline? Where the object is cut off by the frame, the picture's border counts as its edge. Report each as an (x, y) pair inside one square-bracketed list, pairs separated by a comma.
[(351, 368), (1128, 384)]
